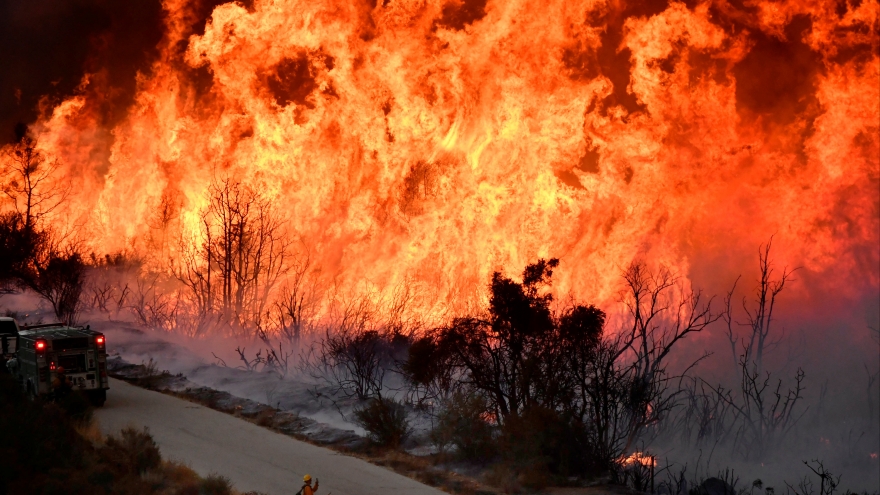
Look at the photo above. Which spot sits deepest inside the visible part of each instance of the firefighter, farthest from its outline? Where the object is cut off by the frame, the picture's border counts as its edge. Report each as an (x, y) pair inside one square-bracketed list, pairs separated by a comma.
[(60, 383), (307, 487)]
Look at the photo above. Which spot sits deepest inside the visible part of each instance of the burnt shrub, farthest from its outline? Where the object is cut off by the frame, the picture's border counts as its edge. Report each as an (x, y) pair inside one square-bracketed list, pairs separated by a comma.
[(216, 484), (384, 420), (19, 245), (133, 450), (59, 277), (355, 360), (430, 369), (544, 440), (34, 437), (77, 407), (463, 424)]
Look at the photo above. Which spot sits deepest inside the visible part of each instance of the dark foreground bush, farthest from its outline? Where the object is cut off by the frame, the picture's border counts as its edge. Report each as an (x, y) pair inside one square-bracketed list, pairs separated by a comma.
[(385, 421), (42, 451), (215, 484), (133, 451), (34, 438), (543, 440), (463, 424), (77, 407)]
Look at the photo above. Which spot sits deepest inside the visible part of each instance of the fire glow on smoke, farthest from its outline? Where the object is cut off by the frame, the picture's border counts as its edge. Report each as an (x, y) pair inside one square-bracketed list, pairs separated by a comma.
[(434, 141)]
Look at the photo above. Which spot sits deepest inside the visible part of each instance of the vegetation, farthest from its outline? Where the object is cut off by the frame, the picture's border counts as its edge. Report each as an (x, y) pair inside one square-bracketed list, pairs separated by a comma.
[(385, 421), (52, 448), (526, 382), (463, 425), (32, 254), (551, 389)]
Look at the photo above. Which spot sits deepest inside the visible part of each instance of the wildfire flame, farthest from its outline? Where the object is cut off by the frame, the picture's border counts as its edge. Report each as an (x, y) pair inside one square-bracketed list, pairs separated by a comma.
[(638, 458), (434, 141)]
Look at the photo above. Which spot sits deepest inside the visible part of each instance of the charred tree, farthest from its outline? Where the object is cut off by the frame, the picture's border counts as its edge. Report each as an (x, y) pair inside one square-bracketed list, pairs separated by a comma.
[(30, 181), (237, 257), (765, 411), (506, 353), (19, 246), (58, 277)]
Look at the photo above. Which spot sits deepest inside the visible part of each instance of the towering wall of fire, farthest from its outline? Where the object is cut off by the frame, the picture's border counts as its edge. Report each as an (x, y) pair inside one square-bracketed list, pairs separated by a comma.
[(434, 141)]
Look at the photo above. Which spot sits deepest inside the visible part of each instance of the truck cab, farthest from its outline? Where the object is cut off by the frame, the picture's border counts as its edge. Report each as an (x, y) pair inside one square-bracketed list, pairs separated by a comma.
[(52, 359)]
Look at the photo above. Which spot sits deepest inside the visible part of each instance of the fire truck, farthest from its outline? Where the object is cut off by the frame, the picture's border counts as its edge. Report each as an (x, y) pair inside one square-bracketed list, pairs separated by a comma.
[(52, 359)]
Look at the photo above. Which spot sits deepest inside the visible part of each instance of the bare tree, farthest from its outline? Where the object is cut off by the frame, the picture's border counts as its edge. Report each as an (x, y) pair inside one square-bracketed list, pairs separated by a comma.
[(240, 254), (294, 309), (30, 181), (193, 269), (662, 313), (827, 482), (153, 305), (288, 317), (166, 212), (706, 416), (350, 357), (107, 284), (418, 185), (766, 413), (757, 340)]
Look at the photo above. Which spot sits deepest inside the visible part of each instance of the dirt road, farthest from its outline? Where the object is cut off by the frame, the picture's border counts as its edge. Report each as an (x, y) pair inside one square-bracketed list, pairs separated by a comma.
[(253, 458)]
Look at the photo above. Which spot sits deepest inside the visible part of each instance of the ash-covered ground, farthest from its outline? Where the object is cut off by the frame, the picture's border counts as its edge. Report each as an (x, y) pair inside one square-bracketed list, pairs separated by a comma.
[(320, 415)]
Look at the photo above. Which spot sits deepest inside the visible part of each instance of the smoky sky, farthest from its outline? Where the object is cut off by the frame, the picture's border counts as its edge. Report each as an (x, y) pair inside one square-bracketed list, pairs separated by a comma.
[(46, 46)]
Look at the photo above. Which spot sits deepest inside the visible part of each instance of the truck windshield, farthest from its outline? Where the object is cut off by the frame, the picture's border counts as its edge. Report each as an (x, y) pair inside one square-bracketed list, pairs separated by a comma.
[(7, 327), (8, 344)]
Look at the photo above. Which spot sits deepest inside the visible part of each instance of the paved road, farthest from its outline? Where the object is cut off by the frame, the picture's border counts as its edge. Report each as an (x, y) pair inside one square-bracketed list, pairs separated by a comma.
[(253, 458)]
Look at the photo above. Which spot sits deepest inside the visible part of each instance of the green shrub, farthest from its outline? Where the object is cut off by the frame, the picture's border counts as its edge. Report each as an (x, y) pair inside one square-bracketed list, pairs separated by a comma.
[(384, 420)]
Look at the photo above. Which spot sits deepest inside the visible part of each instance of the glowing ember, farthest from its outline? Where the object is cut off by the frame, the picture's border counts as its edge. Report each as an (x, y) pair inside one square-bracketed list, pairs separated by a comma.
[(640, 458)]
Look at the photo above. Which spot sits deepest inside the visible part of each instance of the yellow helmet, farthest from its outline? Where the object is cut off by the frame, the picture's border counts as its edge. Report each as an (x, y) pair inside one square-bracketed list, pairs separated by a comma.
[(307, 478)]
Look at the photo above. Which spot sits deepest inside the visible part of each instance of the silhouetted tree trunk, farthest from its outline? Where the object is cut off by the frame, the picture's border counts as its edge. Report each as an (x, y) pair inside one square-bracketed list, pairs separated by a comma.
[(239, 256), (30, 182)]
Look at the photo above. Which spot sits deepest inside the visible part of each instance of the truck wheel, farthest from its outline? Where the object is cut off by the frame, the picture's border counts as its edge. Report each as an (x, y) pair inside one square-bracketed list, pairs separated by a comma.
[(98, 397)]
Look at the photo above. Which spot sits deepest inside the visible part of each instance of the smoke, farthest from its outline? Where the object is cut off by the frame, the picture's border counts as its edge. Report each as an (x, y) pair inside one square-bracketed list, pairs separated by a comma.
[(50, 45)]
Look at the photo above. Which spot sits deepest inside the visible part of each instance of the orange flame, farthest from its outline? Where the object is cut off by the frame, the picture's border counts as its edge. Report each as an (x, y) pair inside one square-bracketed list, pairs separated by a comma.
[(434, 141), (640, 458)]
